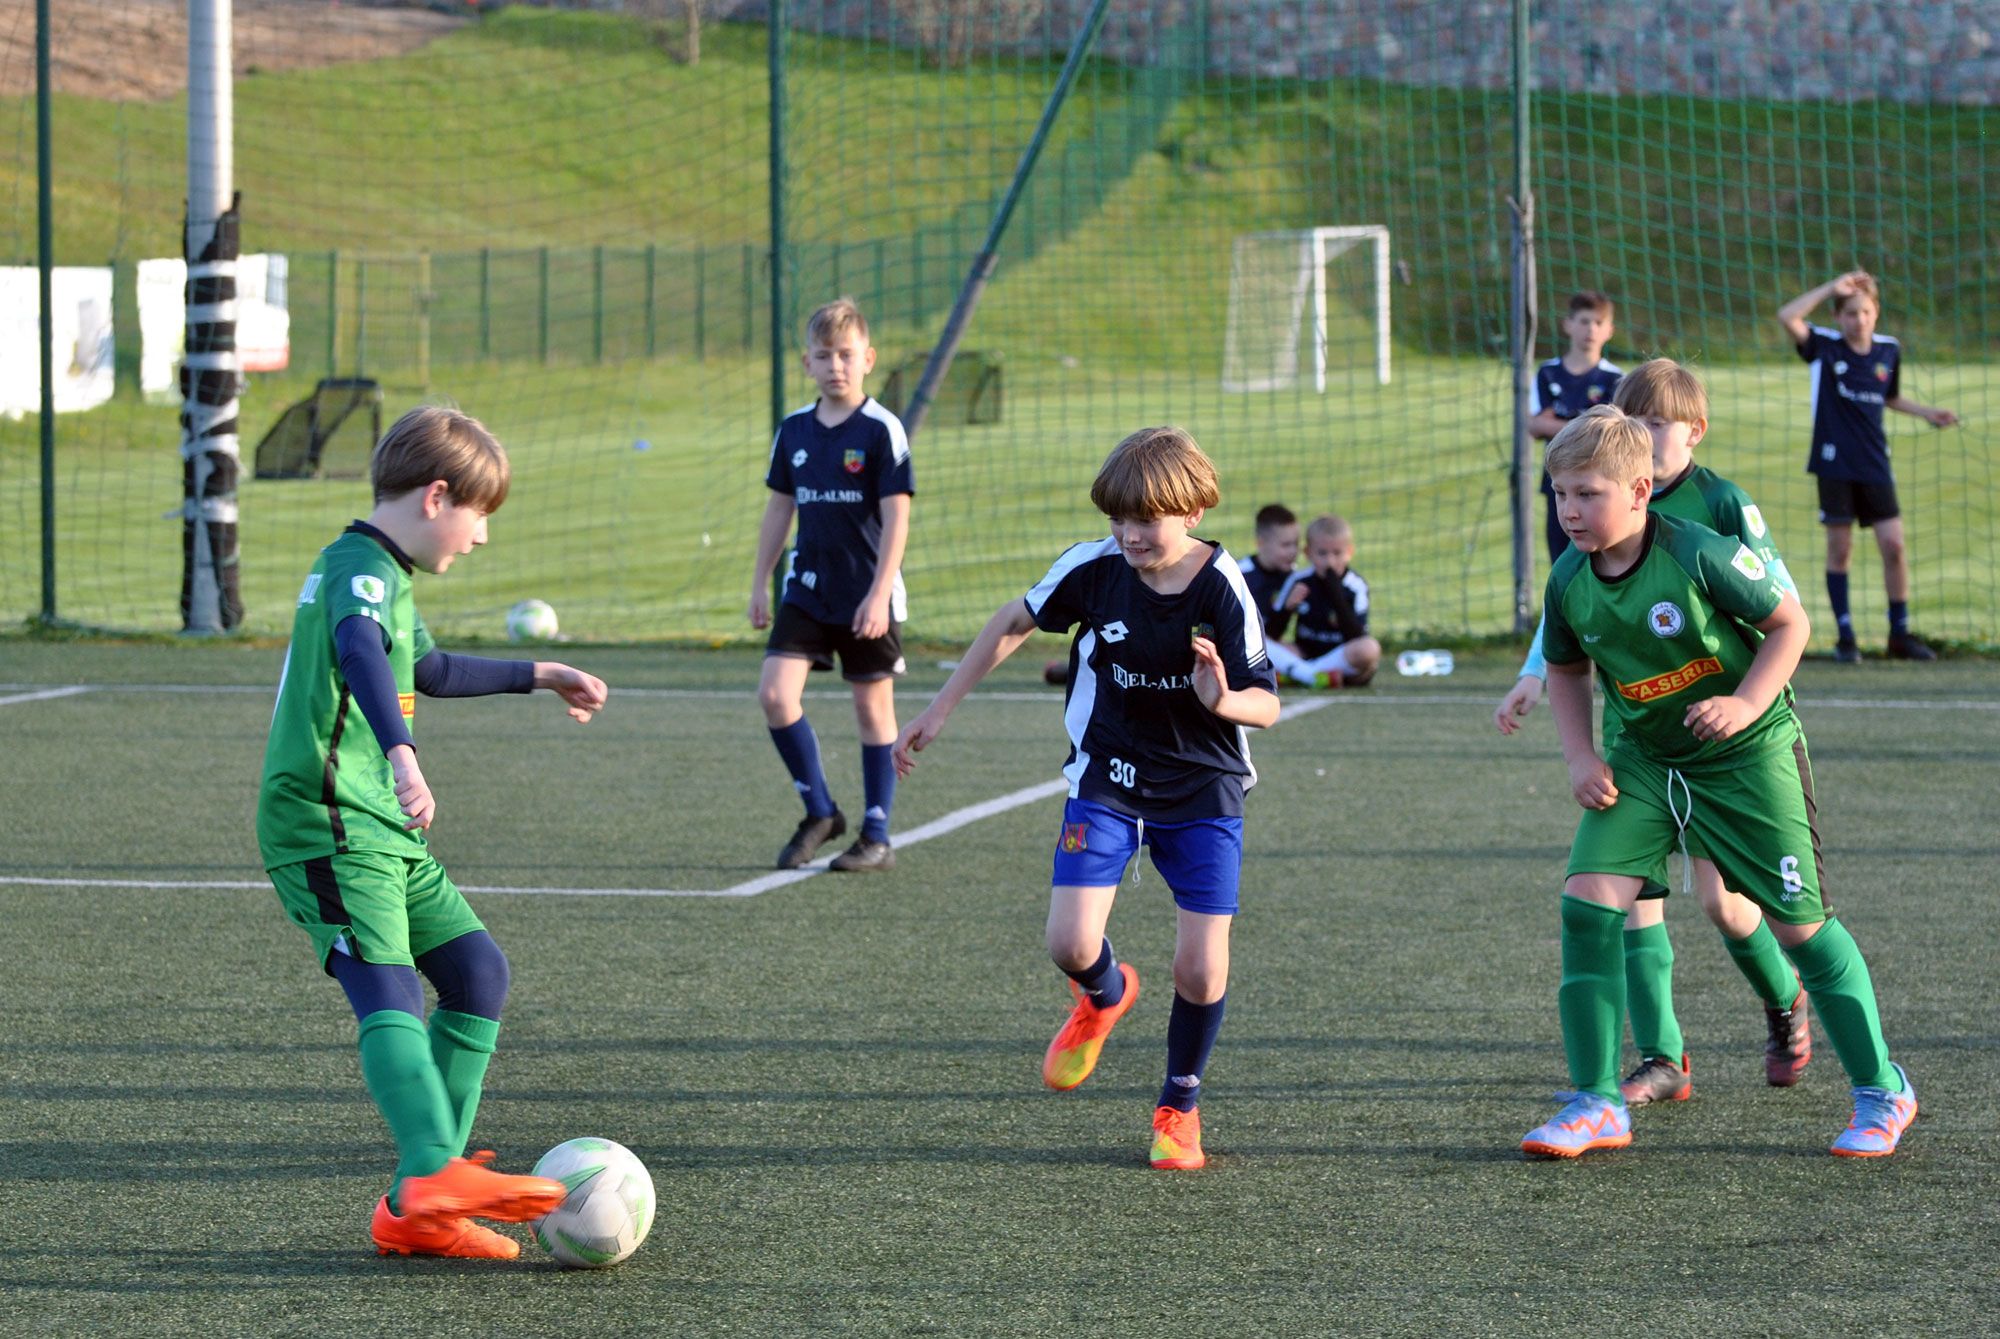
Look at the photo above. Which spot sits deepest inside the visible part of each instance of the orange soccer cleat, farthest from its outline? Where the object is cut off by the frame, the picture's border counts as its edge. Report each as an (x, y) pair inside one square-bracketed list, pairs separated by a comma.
[(1177, 1140), (1073, 1053), (469, 1187), (458, 1237)]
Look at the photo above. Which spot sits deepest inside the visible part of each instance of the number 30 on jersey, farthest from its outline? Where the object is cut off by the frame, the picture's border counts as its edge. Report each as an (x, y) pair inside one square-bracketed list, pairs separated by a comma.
[(1123, 773)]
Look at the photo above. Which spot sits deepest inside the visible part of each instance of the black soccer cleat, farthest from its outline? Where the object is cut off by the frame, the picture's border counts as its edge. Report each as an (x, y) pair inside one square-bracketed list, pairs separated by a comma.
[(1657, 1079), (812, 834), (1788, 1049), (1908, 646), (864, 856), (1846, 653)]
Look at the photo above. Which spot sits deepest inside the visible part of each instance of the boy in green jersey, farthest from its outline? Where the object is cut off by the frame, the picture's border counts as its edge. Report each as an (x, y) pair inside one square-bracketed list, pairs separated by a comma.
[(1694, 641), (341, 816), (1669, 401)]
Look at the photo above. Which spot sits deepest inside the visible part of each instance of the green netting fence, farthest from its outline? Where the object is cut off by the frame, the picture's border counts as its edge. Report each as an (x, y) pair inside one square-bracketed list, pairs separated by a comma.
[(560, 219)]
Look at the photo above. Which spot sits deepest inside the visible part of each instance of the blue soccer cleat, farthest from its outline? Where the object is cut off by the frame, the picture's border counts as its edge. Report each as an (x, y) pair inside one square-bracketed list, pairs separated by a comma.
[(1586, 1122), (1880, 1117)]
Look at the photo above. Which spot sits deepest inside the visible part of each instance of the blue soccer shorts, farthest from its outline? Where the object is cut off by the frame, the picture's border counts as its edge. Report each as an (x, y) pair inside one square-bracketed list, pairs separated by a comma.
[(1201, 859)]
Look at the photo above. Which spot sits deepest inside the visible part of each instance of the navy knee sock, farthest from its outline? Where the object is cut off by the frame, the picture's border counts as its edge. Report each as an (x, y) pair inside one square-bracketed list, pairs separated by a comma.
[(878, 787), (799, 747), (1191, 1030), (1836, 595), (1899, 618), (1101, 982)]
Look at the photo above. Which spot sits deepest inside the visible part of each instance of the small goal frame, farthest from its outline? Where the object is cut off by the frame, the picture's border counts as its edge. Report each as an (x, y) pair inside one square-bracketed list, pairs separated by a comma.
[(1317, 247)]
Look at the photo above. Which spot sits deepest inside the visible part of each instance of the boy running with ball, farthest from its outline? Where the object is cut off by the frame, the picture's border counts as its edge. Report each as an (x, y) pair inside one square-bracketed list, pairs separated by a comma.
[(1695, 641), (341, 817), (1166, 670)]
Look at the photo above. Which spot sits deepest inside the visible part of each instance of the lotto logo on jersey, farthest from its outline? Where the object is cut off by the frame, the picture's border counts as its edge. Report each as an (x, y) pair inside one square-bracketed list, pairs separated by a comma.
[(1673, 681), (1666, 619), (1116, 632), (1075, 837), (408, 702), (369, 588), (853, 460), (798, 457)]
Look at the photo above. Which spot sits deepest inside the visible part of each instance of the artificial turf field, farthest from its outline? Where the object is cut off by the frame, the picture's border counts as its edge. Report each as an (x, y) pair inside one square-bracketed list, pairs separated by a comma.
[(834, 1081)]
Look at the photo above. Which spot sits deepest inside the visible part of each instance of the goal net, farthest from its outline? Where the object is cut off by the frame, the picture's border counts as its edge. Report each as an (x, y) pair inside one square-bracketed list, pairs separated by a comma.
[(1278, 314)]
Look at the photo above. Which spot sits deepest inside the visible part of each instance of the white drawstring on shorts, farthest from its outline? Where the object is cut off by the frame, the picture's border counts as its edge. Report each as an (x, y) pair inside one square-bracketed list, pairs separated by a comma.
[(1681, 822)]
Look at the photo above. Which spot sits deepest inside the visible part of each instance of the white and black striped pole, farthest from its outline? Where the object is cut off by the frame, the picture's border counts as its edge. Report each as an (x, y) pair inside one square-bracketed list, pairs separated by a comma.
[(211, 593)]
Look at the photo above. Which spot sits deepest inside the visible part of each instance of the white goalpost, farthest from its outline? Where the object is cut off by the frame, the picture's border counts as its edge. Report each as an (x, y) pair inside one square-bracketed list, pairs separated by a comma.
[(1271, 275)]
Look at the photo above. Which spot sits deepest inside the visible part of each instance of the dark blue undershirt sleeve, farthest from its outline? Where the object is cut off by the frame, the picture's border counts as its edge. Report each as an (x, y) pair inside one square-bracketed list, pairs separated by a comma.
[(364, 664), (441, 674)]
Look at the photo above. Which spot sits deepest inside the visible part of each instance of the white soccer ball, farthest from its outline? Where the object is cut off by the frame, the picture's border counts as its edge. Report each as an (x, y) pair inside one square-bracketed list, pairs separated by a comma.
[(610, 1204), (531, 621)]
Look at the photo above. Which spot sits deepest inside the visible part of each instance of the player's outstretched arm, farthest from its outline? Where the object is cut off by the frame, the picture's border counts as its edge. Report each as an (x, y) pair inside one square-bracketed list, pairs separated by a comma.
[(1255, 707), (771, 532), (1569, 703), (1785, 634), (585, 693), (1937, 418), (1000, 638)]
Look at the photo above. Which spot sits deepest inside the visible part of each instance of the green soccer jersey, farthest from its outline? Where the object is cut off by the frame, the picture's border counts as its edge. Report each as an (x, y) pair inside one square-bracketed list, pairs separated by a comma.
[(1703, 496), (327, 789), (1676, 627)]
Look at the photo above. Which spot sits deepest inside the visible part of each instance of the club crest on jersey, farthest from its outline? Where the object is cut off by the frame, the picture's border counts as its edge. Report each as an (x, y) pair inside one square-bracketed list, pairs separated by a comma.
[(1881, 371), (853, 460), (1754, 520), (1596, 393), (369, 588), (1666, 619), (1748, 563), (1202, 630), (1075, 837)]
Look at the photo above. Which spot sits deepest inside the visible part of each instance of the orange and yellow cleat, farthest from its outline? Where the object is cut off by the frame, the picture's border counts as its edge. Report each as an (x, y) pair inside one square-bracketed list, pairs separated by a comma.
[(1073, 1053), (1177, 1140), (469, 1187), (458, 1237)]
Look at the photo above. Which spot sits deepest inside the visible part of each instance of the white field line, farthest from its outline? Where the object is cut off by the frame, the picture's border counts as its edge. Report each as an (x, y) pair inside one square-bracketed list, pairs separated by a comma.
[(1363, 699), (44, 694), (763, 883)]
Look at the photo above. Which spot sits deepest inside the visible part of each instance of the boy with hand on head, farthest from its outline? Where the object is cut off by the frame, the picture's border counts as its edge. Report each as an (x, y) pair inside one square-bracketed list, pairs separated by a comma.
[(1694, 641), (341, 821), (1564, 387), (841, 465), (1266, 571), (1856, 373), (1167, 669), (1330, 600), (1669, 401)]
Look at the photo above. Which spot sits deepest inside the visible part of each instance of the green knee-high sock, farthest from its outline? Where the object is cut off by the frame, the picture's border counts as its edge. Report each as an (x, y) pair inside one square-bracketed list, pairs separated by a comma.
[(462, 1044), (1843, 996), (403, 1079), (1763, 965), (1591, 999), (1649, 993)]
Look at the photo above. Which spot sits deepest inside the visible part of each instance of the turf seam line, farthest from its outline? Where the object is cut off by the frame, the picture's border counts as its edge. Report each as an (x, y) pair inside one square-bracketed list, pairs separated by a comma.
[(937, 827)]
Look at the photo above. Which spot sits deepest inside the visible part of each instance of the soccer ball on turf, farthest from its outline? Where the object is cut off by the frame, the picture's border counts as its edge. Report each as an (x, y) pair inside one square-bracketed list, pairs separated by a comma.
[(531, 621), (609, 1209)]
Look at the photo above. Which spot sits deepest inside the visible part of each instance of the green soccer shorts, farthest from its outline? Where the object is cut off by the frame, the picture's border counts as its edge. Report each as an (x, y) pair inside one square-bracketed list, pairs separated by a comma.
[(390, 909), (1754, 820)]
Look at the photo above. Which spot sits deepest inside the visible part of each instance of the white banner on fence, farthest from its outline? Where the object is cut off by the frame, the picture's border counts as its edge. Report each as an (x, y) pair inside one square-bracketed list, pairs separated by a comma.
[(263, 319), (81, 298)]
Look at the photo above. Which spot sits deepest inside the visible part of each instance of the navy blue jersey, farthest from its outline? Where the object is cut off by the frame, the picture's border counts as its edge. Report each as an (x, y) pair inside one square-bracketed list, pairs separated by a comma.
[(1264, 583), (1849, 391), (1141, 742), (1335, 610), (1556, 387), (838, 478)]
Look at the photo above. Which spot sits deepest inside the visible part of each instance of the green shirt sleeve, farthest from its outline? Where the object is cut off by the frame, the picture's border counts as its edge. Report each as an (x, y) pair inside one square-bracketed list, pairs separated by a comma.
[(1559, 641), (361, 580), (1737, 516), (1735, 580)]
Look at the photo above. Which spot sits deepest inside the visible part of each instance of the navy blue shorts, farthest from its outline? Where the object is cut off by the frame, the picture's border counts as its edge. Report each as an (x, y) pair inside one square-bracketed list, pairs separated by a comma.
[(1201, 859)]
